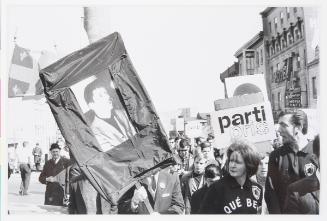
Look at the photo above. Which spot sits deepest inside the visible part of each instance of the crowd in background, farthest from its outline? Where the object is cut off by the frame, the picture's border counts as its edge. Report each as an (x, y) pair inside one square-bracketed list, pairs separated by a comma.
[(206, 179)]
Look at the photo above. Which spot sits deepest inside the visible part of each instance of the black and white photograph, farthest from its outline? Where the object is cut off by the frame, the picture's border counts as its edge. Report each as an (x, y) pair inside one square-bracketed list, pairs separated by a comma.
[(182, 108)]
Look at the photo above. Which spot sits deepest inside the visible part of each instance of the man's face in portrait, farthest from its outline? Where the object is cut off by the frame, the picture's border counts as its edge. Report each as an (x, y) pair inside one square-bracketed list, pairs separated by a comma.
[(101, 103)]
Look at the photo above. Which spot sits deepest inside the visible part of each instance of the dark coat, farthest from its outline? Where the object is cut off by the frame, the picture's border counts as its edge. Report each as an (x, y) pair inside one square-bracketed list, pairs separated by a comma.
[(197, 199), (303, 196), (286, 166), (189, 186), (226, 196), (168, 197), (55, 191)]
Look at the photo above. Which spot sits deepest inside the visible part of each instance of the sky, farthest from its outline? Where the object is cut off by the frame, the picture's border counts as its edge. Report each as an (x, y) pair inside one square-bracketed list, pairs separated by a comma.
[(178, 51)]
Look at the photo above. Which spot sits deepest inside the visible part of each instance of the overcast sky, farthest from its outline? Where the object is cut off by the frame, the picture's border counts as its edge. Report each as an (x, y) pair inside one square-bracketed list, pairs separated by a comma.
[(178, 51)]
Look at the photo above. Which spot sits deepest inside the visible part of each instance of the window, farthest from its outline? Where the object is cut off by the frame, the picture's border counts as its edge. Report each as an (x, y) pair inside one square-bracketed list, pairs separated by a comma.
[(277, 47), (314, 88), (279, 101), (297, 34), (298, 61), (277, 66), (261, 57), (272, 51), (290, 39), (240, 67), (304, 58), (273, 101), (270, 28), (281, 18), (257, 58), (275, 22), (288, 12), (283, 43), (295, 9)]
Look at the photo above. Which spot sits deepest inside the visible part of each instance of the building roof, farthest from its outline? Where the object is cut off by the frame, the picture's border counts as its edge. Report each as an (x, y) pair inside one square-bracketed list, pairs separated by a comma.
[(265, 12), (257, 38), (229, 72)]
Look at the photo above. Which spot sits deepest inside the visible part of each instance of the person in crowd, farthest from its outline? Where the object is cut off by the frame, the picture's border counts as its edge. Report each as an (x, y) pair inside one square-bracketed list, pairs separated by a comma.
[(12, 158), (162, 191), (193, 180), (37, 153), (207, 152), (186, 158), (55, 176), (63, 147), (261, 176), (108, 121), (236, 193), (172, 145), (24, 157), (278, 142), (84, 199), (212, 173), (290, 162), (303, 195)]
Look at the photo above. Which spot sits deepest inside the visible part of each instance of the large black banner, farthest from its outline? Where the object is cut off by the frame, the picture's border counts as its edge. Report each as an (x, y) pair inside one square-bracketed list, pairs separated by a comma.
[(106, 116)]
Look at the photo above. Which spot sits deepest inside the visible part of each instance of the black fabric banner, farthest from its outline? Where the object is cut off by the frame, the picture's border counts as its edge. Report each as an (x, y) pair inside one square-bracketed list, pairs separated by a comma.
[(116, 148)]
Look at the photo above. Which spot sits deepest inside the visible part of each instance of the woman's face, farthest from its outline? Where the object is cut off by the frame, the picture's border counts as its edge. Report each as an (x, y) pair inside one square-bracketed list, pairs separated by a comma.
[(236, 165)]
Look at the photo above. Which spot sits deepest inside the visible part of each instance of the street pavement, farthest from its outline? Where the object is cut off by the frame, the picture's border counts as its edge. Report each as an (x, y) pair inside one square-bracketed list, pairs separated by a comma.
[(32, 203)]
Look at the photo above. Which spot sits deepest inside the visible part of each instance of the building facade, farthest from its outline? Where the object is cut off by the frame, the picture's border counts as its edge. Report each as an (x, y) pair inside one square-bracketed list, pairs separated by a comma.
[(286, 63)]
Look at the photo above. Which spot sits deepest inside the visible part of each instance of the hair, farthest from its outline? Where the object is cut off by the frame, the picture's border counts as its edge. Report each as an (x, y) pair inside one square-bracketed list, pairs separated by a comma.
[(198, 139), (212, 171), (54, 146), (199, 155), (298, 118), (184, 143), (97, 83), (316, 146), (250, 156), (205, 144)]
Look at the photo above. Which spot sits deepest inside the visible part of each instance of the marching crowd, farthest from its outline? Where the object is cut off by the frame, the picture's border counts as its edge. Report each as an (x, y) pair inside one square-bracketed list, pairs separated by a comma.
[(205, 179)]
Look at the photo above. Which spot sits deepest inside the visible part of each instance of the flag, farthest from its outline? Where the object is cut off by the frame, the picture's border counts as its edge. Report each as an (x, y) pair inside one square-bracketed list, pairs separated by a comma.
[(146, 150), (23, 73)]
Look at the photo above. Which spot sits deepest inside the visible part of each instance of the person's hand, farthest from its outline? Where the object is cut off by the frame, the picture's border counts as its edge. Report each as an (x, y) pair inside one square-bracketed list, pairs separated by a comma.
[(50, 179), (139, 196)]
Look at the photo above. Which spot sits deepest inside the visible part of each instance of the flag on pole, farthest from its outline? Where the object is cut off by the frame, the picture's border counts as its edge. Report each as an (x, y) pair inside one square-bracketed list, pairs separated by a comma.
[(106, 116), (23, 73)]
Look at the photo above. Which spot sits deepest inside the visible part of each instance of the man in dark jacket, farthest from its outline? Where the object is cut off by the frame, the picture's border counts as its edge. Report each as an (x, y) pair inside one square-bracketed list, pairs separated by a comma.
[(303, 196), (290, 162), (55, 176), (211, 174), (161, 189)]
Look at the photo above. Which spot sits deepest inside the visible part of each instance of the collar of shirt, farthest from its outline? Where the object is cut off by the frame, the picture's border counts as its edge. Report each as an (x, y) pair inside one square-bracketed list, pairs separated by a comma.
[(234, 184), (306, 149), (56, 161)]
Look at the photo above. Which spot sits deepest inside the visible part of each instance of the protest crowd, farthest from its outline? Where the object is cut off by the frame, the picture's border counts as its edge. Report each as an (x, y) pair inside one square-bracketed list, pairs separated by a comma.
[(205, 179)]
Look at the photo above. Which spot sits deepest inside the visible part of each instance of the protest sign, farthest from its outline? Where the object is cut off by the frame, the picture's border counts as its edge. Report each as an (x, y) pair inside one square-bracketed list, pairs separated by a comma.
[(252, 122)]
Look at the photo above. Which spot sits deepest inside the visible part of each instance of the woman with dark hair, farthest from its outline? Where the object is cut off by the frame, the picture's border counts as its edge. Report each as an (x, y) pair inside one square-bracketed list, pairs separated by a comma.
[(235, 193)]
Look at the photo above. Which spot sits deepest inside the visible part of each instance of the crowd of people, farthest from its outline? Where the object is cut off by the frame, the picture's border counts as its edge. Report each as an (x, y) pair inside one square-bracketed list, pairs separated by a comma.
[(204, 180)]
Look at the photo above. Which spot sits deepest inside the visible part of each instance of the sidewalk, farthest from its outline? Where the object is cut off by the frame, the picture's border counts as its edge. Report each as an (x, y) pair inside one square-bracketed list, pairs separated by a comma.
[(32, 203)]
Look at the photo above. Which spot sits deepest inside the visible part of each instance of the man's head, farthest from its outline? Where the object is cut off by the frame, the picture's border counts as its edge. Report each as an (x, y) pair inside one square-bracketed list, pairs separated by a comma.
[(55, 151), (199, 163), (184, 148), (97, 97), (37, 144), (206, 149), (212, 173), (293, 126), (263, 165), (199, 140)]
